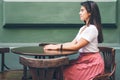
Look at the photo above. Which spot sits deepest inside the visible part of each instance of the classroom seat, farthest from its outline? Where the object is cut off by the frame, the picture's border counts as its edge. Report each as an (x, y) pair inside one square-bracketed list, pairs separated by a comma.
[(110, 65)]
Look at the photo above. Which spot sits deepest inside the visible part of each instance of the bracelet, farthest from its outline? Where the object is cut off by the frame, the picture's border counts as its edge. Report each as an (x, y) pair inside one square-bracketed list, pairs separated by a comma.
[(61, 46)]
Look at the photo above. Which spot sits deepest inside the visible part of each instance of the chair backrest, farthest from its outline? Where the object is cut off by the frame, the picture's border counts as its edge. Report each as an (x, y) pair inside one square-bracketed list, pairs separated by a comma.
[(109, 61), (108, 56), (43, 69), (4, 50)]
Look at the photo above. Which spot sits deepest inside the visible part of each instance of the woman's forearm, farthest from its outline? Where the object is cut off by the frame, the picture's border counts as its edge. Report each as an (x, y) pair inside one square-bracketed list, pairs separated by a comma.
[(75, 45)]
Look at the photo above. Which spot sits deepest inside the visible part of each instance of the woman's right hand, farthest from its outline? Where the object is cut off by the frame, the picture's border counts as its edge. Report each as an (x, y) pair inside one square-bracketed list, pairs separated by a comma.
[(52, 47)]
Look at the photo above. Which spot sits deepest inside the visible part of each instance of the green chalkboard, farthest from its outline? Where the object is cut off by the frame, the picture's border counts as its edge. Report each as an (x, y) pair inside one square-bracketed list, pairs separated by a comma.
[(42, 12), (53, 12)]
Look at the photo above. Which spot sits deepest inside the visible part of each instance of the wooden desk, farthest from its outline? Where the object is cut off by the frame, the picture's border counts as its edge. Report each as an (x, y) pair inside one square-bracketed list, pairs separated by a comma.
[(38, 52)]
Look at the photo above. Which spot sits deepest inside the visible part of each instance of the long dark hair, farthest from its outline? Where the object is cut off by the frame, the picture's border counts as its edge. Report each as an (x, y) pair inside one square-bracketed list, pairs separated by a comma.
[(95, 17)]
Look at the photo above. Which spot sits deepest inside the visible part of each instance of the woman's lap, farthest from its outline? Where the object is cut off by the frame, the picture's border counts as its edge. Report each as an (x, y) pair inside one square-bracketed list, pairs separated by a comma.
[(84, 68)]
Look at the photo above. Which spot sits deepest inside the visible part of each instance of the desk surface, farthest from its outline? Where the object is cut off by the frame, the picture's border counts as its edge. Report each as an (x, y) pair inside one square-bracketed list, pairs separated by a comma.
[(38, 51)]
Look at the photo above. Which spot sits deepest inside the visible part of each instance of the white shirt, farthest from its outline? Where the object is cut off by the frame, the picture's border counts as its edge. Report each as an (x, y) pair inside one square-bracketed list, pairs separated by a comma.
[(90, 34)]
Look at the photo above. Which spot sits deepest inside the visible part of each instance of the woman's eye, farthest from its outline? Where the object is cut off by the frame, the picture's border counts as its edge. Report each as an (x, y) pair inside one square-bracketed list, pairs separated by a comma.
[(81, 10)]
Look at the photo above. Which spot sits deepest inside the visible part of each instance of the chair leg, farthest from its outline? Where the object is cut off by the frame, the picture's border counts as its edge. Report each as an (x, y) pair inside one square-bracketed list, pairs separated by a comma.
[(113, 76), (3, 63), (24, 77)]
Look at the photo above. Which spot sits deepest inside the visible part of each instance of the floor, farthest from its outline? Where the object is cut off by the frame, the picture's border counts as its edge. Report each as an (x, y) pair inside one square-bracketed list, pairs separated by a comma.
[(11, 75)]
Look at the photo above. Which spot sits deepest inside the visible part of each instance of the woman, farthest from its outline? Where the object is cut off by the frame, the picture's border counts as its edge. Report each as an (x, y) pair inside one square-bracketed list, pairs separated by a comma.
[(89, 63)]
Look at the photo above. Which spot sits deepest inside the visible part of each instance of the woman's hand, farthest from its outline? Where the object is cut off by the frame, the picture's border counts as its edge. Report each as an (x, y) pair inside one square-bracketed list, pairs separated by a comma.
[(52, 47)]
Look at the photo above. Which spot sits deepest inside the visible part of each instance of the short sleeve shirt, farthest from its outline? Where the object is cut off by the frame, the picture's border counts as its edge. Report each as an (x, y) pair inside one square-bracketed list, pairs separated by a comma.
[(90, 34)]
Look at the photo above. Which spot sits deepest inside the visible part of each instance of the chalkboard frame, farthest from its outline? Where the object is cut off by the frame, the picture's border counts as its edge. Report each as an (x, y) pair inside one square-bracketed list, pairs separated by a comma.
[(10, 26)]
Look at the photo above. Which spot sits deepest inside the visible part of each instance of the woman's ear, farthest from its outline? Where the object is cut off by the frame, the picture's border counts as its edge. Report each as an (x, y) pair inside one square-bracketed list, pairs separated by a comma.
[(89, 14)]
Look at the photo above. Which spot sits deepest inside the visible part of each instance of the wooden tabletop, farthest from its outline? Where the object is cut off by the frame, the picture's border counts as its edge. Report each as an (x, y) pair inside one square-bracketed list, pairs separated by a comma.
[(38, 51)]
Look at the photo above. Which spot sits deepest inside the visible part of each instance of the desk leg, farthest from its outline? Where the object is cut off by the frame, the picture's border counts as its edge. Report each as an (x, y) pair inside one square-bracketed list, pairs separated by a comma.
[(24, 73)]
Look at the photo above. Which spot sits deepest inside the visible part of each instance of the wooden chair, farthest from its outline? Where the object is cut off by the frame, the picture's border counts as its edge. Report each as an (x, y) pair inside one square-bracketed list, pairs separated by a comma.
[(110, 66), (43, 69), (2, 52)]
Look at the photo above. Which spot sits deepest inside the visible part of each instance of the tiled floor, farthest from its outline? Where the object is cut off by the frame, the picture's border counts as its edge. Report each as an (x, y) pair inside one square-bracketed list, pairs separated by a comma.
[(11, 75)]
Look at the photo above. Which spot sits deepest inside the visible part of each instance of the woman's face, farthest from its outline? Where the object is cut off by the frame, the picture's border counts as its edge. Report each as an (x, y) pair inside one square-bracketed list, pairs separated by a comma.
[(84, 15)]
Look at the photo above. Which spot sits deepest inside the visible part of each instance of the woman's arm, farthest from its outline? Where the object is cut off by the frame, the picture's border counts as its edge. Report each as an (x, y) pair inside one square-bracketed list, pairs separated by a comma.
[(74, 45)]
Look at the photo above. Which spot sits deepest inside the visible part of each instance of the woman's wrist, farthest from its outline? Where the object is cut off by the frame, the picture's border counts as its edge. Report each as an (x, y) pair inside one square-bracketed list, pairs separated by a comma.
[(61, 47)]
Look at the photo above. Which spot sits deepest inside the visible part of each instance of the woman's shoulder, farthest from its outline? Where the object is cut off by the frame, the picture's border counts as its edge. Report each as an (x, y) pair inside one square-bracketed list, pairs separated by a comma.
[(92, 27), (82, 26)]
